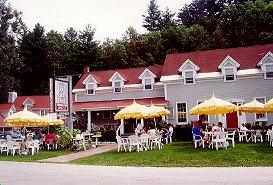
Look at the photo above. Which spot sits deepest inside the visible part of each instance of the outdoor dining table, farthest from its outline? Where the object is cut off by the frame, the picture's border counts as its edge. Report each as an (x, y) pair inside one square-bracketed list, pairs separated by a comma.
[(96, 136)]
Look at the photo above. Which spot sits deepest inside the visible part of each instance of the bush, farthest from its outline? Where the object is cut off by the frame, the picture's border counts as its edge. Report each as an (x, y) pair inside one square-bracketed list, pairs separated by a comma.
[(109, 135), (183, 133), (66, 136)]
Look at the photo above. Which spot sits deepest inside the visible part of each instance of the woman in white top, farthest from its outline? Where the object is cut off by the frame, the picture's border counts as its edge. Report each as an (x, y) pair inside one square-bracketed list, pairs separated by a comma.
[(220, 127), (243, 127)]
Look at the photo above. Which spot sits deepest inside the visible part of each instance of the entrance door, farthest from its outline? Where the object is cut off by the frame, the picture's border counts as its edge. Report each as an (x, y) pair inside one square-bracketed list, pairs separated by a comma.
[(232, 120)]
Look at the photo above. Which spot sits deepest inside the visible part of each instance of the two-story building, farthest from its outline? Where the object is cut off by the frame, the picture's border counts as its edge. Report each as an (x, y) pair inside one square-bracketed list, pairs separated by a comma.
[(185, 80), (236, 75), (99, 95)]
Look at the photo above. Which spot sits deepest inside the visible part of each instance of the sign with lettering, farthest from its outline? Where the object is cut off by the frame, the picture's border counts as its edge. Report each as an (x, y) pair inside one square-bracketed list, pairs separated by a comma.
[(61, 96)]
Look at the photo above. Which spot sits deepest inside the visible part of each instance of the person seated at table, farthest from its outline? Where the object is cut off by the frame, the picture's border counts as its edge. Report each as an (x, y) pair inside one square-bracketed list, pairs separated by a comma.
[(50, 137), (220, 127), (257, 126), (37, 136), (214, 127), (243, 127), (164, 131), (196, 130), (151, 130)]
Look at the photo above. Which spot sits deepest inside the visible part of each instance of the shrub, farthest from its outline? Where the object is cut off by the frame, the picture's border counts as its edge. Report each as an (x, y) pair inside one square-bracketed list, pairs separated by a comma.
[(182, 132), (109, 135)]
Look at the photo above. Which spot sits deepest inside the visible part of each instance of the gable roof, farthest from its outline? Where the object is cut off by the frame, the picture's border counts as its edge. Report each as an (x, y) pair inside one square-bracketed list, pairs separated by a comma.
[(126, 73), (208, 61), (5, 107), (41, 101)]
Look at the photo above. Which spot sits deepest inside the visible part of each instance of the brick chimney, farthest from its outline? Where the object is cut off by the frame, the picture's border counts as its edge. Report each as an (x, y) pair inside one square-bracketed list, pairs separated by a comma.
[(86, 70), (12, 97)]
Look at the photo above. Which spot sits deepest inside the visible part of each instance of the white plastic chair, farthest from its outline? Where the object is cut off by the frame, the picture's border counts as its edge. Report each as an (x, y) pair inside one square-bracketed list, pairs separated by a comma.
[(34, 146), (219, 139), (134, 141), (121, 143), (144, 139), (12, 147), (80, 141), (198, 140), (242, 135), (268, 135), (257, 136), (230, 137), (170, 136), (156, 142), (3, 146)]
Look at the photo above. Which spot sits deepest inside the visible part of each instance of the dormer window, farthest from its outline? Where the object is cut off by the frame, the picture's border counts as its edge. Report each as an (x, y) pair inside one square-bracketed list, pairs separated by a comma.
[(266, 64), (189, 77), (90, 89), (229, 68), (269, 71), (117, 87), (229, 74), (189, 72), (148, 84)]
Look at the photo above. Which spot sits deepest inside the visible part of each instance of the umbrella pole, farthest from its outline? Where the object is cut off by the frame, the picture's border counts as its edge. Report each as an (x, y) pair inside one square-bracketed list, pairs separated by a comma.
[(155, 123)]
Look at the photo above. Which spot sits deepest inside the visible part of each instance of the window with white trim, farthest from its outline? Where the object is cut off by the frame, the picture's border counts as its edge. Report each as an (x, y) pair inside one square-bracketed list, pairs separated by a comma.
[(28, 106), (269, 71), (117, 87), (261, 117), (42, 112), (188, 77), (148, 84), (182, 112), (229, 75), (90, 88)]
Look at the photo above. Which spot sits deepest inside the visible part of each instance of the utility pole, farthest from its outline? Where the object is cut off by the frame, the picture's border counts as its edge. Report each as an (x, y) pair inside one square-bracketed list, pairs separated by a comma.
[(70, 117)]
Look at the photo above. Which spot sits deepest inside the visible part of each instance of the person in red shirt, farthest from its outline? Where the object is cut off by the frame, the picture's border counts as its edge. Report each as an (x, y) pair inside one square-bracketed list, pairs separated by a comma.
[(50, 136)]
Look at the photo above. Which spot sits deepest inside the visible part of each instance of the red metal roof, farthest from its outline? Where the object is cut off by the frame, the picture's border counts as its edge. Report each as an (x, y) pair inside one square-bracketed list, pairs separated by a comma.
[(130, 75), (4, 107), (2, 123), (40, 102), (118, 103), (208, 61)]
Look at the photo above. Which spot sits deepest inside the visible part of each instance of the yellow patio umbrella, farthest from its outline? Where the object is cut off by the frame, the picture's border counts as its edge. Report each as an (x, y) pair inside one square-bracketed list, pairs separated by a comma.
[(134, 110), (47, 122), (213, 106), (157, 111), (23, 118), (269, 106), (252, 107)]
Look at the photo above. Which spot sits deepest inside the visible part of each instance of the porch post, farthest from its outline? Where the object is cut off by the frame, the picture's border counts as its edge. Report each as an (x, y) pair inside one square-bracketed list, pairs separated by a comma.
[(121, 126), (89, 121)]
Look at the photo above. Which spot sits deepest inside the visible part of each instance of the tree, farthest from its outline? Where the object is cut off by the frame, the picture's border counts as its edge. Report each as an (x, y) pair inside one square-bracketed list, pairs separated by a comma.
[(130, 34), (33, 51), (88, 50), (245, 24), (166, 19), (11, 26), (203, 12), (152, 18)]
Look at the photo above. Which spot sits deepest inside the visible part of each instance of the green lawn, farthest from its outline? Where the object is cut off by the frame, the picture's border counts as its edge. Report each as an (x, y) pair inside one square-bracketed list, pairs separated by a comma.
[(183, 154), (43, 154)]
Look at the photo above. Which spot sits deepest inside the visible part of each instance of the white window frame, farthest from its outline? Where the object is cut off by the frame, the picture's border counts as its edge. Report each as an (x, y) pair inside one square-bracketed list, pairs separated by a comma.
[(144, 84), (117, 87), (186, 112), (265, 72), (185, 79), (265, 114), (87, 88), (42, 112), (28, 106), (225, 76)]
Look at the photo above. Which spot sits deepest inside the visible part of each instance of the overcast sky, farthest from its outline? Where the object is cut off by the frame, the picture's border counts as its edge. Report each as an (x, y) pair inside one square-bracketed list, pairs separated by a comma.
[(110, 18)]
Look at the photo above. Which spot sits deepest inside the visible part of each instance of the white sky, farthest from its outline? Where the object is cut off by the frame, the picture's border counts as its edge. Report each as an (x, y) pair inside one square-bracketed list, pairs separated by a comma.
[(110, 18)]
